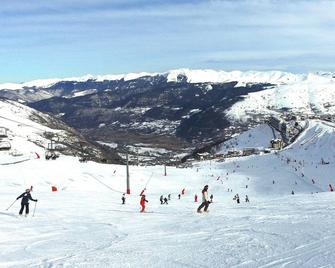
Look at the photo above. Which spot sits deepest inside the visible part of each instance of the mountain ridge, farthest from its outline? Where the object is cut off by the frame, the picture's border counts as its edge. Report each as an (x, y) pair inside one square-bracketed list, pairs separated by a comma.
[(193, 75), (181, 109)]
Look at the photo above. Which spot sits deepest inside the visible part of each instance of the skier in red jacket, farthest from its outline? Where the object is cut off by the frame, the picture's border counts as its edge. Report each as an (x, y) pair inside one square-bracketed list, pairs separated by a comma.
[(142, 202)]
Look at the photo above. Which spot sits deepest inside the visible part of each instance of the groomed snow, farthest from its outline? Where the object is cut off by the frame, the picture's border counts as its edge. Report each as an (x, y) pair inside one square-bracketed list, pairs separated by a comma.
[(83, 224)]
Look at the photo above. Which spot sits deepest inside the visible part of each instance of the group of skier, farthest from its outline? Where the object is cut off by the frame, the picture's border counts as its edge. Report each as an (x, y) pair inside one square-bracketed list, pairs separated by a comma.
[(26, 196), (164, 200), (206, 200)]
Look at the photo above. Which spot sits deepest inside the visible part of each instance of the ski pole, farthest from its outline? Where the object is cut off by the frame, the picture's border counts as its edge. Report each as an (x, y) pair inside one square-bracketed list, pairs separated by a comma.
[(34, 209), (148, 180), (11, 204), (145, 187)]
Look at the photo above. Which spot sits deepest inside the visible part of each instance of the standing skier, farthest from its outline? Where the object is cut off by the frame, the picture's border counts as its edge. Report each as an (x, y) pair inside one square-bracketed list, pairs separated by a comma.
[(205, 201), (142, 202), (237, 198), (26, 196), (195, 198), (247, 199), (161, 199), (211, 198), (123, 199), (169, 196)]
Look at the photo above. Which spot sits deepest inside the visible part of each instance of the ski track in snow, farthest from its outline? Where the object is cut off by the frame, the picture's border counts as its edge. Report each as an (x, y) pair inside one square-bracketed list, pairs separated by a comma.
[(280, 232)]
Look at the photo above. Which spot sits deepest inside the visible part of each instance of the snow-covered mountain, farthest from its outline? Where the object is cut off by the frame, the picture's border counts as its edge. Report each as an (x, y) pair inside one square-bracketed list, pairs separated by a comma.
[(181, 108), (192, 76), (313, 95), (296, 91), (26, 133)]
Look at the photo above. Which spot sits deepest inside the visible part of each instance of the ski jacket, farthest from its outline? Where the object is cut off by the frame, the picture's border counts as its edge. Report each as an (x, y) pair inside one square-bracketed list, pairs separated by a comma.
[(143, 200), (204, 196), (25, 198)]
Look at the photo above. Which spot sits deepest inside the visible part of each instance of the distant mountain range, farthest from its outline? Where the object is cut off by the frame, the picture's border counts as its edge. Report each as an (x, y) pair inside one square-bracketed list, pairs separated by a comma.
[(178, 110)]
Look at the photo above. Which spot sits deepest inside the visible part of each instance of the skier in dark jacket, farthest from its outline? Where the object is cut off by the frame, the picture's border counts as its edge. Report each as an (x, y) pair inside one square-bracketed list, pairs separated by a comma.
[(26, 196), (123, 198), (237, 198), (247, 199)]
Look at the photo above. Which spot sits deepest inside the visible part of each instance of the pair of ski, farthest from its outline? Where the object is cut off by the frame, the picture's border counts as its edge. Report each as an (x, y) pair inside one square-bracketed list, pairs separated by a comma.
[(130, 211), (15, 202)]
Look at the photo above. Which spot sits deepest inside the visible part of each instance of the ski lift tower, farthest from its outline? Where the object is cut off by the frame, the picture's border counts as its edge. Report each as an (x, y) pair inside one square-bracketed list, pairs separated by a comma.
[(128, 183), (51, 146)]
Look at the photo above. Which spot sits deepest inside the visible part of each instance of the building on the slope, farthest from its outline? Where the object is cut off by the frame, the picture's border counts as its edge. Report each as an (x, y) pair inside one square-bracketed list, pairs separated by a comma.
[(277, 144), (250, 151), (204, 156), (233, 153), (4, 142)]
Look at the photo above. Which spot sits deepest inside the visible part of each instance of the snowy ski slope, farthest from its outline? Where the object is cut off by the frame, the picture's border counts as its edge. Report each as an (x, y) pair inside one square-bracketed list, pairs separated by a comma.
[(83, 224)]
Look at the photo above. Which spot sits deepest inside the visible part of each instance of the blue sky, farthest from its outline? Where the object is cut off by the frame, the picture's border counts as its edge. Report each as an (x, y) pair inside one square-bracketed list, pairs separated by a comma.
[(62, 38)]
